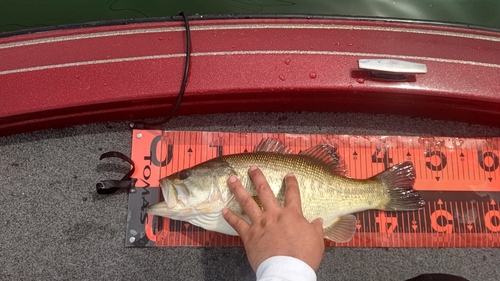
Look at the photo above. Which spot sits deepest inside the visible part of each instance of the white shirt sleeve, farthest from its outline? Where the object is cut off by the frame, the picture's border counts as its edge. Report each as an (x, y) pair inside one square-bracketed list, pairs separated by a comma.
[(283, 268)]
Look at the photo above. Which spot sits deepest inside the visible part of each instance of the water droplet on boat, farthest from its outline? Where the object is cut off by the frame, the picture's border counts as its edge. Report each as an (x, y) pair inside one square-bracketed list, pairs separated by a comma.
[(282, 78), (105, 84), (77, 76), (287, 61), (312, 75), (170, 38), (161, 38), (360, 80), (349, 86)]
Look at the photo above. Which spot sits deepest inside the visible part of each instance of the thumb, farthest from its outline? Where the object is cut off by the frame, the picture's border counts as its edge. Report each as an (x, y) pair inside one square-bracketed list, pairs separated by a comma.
[(318, 224)]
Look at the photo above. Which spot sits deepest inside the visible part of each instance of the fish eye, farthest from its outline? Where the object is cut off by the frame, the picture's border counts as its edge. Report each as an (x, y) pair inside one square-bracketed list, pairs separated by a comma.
[(184, 174)]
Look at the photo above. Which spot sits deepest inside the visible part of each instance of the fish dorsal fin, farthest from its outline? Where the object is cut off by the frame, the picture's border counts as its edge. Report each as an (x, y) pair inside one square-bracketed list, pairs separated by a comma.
[(327, 155), (272, 145)]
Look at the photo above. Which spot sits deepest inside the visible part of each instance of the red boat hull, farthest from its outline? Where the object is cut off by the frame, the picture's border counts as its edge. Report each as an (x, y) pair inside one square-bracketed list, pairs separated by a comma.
[(67, 77)]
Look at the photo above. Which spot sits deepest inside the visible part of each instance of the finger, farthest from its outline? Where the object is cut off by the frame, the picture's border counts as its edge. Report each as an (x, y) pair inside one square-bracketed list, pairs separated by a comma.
[(246, 202), (266, 195), (239, 224), (292, 194), (318, 225)]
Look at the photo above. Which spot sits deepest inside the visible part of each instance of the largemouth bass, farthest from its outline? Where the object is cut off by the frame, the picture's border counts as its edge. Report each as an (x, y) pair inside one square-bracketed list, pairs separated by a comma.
[(198, 194)]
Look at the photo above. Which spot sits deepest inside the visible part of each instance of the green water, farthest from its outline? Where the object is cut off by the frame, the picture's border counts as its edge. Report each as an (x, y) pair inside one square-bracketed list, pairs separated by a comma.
[(24, 14)]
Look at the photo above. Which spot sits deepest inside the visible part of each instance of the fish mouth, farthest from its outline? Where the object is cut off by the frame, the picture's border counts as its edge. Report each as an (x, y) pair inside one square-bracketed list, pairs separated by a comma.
[(158, 209), (169, 193), (172, 205)]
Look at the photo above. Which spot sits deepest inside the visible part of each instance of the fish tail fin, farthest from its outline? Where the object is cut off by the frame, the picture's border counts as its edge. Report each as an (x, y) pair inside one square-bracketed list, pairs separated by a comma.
[(399, 180)]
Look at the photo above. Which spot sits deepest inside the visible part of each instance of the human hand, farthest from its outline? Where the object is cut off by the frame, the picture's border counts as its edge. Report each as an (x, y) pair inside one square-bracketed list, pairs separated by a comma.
[(275, 231)]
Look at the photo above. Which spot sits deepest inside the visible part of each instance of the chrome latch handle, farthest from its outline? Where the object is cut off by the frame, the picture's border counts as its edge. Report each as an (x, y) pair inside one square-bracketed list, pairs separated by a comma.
[(391, 68)]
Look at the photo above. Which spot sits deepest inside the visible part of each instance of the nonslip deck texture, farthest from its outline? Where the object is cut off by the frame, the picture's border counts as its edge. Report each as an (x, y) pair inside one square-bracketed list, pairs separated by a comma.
[(55, 227)]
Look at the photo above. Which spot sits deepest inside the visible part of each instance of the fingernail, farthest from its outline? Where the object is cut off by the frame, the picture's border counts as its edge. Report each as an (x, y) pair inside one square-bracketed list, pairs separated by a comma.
[(224, 211), (289, 175), (252, 168), (232, 179)]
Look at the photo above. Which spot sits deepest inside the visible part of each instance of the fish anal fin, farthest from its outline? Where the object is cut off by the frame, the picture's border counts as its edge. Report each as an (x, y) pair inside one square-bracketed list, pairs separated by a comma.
[(327, 155), (272, 145), (342, 230)]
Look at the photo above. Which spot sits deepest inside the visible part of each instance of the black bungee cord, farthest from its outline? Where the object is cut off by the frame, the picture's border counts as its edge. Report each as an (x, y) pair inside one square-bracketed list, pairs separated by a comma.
[(146, 125)]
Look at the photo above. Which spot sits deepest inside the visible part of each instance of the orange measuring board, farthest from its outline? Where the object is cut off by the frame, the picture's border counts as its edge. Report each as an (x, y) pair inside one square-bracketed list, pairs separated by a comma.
[(459, 179)]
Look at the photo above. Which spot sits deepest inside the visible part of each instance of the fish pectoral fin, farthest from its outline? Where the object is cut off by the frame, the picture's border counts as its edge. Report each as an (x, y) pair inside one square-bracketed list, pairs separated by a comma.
[(342, 230)]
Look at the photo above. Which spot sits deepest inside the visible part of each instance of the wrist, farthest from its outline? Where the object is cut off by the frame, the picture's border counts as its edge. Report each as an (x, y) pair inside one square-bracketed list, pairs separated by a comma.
[(286, 268)]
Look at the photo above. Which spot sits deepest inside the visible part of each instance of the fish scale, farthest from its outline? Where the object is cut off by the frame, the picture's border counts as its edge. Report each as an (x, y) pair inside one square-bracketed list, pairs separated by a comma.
[(321, 190)]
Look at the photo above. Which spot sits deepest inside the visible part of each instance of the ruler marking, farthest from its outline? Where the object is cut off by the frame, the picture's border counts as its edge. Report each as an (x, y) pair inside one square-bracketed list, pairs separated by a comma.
[(418, 165), (364, 230), (454, 163), (477, 148), (430, 230), (464, 222), (477, 219), (181, 162), (472, 219), (411, 235), (465, 172), (393, 234), (491, 208), (467, 153), (408, 233), (485, 229), (450, 210), (489, 241), (421, 228), (465, 164), (460, 169), (371, 227), (445, 170), (423, 167)]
